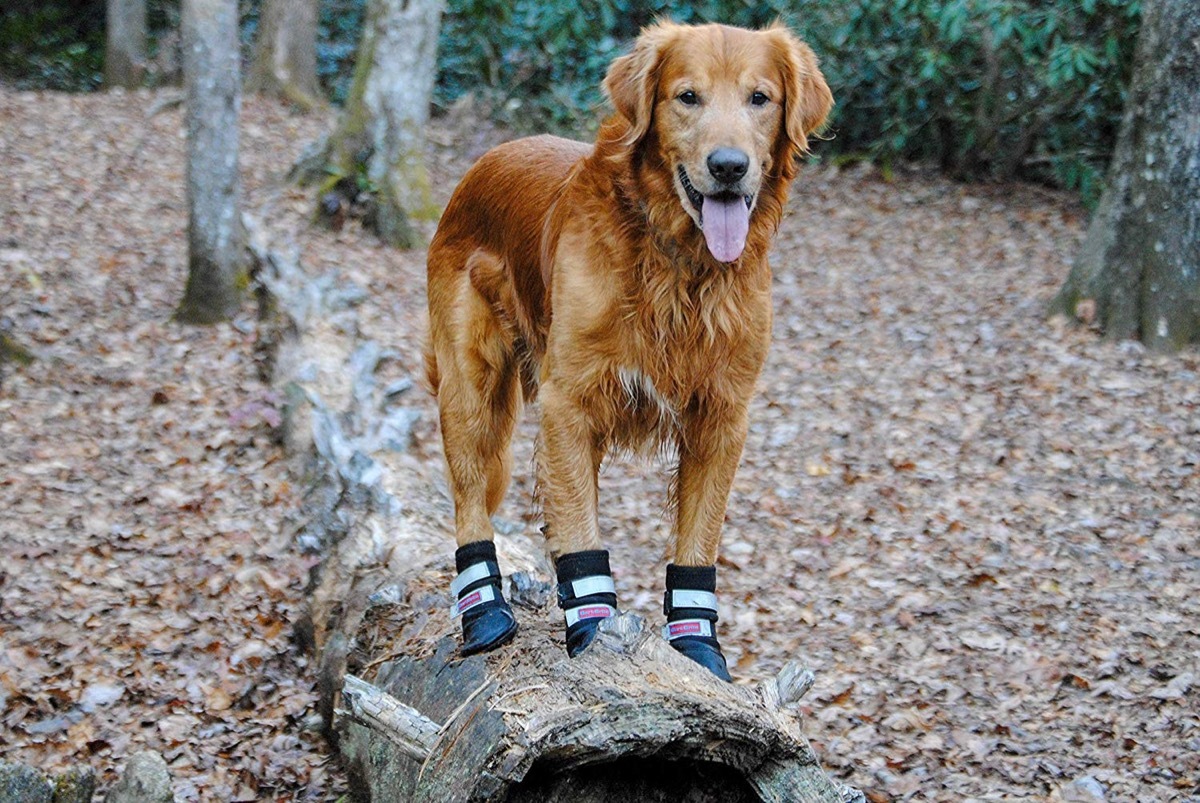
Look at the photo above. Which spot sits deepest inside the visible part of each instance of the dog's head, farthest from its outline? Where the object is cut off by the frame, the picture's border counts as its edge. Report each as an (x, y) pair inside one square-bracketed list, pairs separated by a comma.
[(728, 111)]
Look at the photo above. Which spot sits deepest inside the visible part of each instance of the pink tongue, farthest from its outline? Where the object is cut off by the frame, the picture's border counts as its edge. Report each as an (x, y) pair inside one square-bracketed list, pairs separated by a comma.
[(726, 224)]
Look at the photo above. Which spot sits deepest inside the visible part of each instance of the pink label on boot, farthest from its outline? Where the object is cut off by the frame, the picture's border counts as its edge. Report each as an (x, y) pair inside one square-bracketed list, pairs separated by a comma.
[(691, 628), (469, 600)]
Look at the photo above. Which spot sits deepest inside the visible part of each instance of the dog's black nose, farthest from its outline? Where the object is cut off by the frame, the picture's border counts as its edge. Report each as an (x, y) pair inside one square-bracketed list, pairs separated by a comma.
[(728, 165)]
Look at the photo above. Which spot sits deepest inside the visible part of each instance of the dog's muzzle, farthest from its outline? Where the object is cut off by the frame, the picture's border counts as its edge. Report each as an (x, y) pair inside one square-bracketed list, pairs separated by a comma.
[(724, 218)]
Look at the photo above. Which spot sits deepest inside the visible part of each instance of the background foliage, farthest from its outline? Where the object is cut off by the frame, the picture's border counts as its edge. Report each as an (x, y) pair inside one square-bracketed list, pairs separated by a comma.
[(984, 88), (56, 45)]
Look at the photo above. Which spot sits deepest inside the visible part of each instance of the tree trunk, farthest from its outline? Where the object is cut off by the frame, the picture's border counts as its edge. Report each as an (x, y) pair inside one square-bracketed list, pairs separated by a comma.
[(285, 56), (381, 135), (630, 719), (125, 47), (216, 240), (1138, 272)]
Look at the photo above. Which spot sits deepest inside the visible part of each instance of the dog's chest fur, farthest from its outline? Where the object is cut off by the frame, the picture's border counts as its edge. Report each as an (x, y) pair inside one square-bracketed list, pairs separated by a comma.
[(682, 336)]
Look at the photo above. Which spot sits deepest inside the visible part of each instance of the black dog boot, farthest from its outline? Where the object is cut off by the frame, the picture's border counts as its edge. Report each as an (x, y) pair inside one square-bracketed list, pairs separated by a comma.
[(586, 594), (487, 621), (691, 608)]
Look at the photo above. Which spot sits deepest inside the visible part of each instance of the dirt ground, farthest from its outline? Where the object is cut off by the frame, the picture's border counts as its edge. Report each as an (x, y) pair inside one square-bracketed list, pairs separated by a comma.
[(979, 527)]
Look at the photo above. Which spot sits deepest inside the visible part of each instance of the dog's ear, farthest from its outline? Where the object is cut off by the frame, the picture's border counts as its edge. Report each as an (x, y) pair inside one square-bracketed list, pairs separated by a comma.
[(632, 80), (807, 100)]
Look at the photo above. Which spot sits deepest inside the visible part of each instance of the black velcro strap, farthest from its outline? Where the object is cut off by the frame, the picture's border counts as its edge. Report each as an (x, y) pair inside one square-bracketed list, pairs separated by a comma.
[(477, 567), (696, 578), (590, 567), (472, 553), (690, 578)]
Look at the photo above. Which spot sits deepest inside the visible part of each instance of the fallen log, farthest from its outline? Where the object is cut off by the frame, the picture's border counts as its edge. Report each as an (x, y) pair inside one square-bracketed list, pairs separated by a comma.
[(629, 720)]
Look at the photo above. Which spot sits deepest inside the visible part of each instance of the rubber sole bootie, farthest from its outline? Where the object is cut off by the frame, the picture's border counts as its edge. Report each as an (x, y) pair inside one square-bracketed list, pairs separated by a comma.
[(690, 605), (586, 595), (487, 619)]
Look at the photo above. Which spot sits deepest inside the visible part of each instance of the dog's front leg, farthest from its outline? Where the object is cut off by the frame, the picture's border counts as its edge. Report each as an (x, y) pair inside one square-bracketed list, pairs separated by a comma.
[(710, 447), (568, 463)]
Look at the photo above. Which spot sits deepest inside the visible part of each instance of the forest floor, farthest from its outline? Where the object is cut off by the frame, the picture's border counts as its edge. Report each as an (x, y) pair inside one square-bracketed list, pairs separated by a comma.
[(979, 527)]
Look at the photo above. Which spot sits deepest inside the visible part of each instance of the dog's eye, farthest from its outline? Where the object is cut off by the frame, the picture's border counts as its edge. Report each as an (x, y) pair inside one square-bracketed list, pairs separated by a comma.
[(689, 98), (759, 99)]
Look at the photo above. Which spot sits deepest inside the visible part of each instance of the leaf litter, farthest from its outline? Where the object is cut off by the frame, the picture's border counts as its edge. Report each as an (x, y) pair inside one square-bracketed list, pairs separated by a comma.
[(149, 581), (978, 526)]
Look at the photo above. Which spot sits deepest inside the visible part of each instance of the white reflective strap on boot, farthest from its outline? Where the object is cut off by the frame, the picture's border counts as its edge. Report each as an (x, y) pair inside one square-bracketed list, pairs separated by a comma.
[(596, 584), (584, 612), (688, 627), (476, 597), (687, 598), (474, 573)]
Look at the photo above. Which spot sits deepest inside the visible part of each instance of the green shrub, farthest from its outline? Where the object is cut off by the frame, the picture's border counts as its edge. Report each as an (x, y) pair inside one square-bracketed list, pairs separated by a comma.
[(339, 27), (56, 46), (540, 64), (984, 88)]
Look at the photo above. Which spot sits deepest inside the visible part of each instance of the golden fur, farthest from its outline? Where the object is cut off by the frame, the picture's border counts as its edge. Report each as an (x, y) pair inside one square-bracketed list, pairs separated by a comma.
[(580, 273)]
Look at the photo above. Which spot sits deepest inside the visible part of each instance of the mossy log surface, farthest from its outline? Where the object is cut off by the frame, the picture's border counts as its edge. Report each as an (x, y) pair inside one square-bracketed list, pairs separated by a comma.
[(12, 351)]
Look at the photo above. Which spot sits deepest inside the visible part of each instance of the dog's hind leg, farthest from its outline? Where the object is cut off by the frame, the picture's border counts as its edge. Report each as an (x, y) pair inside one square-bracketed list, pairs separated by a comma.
[(475, 365), (479, 399)]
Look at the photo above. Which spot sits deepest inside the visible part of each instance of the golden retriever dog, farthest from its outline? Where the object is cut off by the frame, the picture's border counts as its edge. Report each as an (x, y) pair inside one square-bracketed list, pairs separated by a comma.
[(625, 283)]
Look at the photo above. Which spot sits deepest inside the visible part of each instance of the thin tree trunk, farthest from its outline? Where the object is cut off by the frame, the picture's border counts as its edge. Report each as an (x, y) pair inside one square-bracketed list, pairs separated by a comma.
[(216, 241), (285, 56), (125, 48), (1138, 272), (382, 132)]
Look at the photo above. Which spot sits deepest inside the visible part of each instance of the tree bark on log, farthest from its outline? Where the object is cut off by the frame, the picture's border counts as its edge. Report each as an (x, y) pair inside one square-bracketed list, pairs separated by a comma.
[(285, 53), (630, 719), (1138, 272), (217, 260)]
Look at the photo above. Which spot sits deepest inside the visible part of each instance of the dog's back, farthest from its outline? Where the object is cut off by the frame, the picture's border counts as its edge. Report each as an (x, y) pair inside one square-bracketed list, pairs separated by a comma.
[(488, 235)]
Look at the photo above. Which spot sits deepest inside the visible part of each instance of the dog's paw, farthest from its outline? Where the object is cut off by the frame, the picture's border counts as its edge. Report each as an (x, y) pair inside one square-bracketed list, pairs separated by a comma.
[(580, 637), (706, 652), (487, 628)]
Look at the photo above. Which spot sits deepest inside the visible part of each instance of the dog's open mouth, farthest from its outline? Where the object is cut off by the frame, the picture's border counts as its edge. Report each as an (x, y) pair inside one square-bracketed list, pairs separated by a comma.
[(724, 219)]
